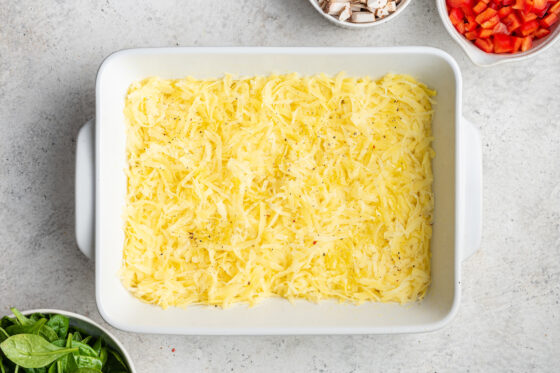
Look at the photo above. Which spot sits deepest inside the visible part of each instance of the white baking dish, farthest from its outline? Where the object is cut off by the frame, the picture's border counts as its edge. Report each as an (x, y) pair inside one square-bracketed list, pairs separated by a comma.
[(457, 188)]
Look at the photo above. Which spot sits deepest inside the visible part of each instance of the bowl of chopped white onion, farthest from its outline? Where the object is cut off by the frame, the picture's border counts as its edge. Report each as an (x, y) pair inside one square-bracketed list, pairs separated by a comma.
[(359, 14)]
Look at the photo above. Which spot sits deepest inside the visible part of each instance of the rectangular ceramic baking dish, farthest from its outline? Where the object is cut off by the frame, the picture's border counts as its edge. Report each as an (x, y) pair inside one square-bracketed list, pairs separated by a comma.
[(457, 188)]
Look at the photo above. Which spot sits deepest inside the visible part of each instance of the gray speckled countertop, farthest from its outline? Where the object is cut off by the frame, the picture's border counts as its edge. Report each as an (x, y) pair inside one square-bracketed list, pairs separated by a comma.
[(509, 319)]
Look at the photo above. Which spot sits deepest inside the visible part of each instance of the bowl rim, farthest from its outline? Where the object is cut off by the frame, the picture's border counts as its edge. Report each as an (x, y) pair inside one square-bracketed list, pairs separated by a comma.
[(483, 59), (49, 311), (357, 26)]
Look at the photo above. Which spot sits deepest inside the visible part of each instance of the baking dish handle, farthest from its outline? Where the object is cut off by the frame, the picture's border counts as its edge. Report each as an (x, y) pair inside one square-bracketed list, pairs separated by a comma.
[(85, 212), (471, 189)]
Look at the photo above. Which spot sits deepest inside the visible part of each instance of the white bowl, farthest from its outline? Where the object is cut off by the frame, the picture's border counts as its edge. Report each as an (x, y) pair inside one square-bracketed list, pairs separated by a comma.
[(349, 25), (481, 58), (91, 328)]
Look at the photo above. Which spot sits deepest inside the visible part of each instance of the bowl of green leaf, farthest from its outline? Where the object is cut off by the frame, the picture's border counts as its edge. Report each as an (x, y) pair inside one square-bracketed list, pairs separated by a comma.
[(54, 341)]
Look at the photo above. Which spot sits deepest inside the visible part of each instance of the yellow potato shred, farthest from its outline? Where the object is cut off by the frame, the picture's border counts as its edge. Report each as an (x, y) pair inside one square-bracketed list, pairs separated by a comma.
[(311, 188)]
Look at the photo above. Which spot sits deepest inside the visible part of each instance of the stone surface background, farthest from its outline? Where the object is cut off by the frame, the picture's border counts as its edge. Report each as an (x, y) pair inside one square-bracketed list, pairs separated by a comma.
[(509, 318)]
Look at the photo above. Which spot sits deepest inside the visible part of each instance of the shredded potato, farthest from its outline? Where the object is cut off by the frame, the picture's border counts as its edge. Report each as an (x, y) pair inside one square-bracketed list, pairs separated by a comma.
[(279, 186)]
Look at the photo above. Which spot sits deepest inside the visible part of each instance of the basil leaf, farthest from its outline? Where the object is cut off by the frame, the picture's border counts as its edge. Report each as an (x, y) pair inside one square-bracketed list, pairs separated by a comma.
[(52, 369), (88, 362), (22, 320), (86, 370), (59, 324), (32, 351)]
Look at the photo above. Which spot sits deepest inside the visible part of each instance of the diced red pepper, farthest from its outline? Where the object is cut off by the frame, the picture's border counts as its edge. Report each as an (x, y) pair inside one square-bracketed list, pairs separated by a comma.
[(471, 35), (541, 33), (512, 22), (539, 5), (519, 5), (485, 33), (555, 8), (479, 7), (456, 16), (517, 44), (528, 28), (485, 15), (528, 6), (484, 44), (549, 20), (460, 27), (503, 43), (459, 3), (491, 22), (471, 24), (500, 28), (468, 11), (526, 44), (541, 13), (505, 11), (503, 26), (527, 17)]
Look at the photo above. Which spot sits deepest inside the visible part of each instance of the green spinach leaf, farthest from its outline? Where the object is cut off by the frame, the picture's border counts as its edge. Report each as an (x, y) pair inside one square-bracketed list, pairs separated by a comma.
[(36, 316), (32, 351), (98, 344), (52, 368), (88, 362), (77, 336), (86, 370), (103, 355), (69, 340), (3, 335), (35, 370), (84, 349), (36, 327), (59, 343), (59, 324), (20, 319), (6, 321), (115, 361), (66, 364), (44, 330)]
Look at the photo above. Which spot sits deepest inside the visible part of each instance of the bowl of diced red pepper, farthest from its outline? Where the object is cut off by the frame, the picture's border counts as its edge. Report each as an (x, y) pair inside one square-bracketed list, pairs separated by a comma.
[(494, 31)]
